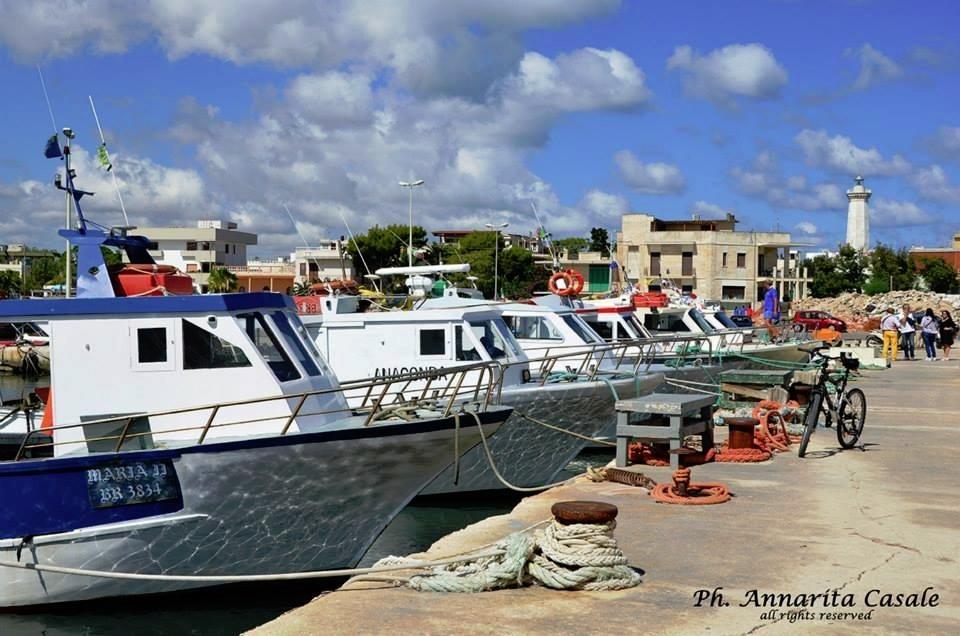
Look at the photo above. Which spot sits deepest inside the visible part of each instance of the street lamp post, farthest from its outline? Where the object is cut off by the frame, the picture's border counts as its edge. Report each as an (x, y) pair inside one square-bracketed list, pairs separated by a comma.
[(496, 254), (410, 185)]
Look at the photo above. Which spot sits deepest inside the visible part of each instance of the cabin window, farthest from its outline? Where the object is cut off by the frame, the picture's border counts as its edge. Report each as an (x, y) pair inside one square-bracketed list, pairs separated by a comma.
[(665, 322), (204, 350), (151, 345), (586, 333), (490, 337), (604, 329), (269, 347), (532, 328), (433, 342), (307, 358), (465, 348)]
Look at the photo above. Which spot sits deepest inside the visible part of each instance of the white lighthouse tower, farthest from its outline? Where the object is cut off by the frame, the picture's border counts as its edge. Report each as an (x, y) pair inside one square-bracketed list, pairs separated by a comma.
[(858, 224)]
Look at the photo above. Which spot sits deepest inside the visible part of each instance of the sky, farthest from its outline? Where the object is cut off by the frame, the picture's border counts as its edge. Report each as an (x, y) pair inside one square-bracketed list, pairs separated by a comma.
[(585, 109)]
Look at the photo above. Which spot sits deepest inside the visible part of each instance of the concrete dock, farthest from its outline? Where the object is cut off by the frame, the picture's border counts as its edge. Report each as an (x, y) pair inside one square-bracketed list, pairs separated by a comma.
[(885, 518)]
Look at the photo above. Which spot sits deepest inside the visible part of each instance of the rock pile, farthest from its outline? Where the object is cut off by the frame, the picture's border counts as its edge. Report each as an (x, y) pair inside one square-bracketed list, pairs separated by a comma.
[(857, 308)]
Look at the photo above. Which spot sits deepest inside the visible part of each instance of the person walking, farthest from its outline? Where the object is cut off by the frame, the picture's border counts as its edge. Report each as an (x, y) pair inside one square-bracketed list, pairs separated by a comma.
[(930, 329), (890, 325), (908, 331), (771, 304), (948, 330)]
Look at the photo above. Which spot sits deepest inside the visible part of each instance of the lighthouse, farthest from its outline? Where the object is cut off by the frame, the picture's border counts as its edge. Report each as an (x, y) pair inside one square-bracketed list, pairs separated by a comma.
[(858, 224)]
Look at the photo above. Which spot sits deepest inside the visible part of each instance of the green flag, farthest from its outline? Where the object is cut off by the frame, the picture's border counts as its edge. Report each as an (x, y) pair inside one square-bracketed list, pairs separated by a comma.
[(104, 158)]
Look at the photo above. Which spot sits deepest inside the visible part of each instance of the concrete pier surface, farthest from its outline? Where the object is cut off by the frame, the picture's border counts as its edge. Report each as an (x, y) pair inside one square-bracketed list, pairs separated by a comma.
[(886, 518)]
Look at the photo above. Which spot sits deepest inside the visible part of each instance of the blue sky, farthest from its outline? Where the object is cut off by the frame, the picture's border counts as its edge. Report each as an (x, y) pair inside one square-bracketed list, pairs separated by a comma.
[(588, 109)]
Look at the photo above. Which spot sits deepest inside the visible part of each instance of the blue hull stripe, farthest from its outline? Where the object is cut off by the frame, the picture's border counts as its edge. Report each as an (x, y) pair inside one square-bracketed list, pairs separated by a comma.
[(46, 496)]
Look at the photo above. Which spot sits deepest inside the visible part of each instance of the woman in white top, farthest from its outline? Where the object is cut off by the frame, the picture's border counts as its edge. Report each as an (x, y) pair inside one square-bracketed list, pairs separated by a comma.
[(929, 328)]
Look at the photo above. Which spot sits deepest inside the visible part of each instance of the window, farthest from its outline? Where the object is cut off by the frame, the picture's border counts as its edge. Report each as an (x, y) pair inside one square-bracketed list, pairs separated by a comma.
[(303, 269), (701, 321), (654, 263), (191, 246), (269, 347), (532, 328), (732, 292), (491, 338), (724, 259), (464, 346), (204, 350), (433, 342), (741, 260), (664, 322), (306, 358), (151, 345), (725, 320), (605, 329), (582, 329)]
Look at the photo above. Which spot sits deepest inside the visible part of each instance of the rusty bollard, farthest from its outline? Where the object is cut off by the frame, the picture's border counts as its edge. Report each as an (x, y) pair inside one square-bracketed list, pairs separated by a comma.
[(741, 432), (594, 512)]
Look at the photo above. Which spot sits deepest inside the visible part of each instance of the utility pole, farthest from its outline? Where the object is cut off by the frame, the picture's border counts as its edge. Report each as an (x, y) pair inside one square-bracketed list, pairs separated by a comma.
[(410, 185)]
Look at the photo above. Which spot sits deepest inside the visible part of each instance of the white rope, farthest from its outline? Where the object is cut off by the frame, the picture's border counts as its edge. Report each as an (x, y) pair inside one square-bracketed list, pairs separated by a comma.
[(562, 557), (559, 429)]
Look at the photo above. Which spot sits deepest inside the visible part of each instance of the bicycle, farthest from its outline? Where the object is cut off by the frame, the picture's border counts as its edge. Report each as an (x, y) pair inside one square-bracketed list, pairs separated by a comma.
[(831, 397)]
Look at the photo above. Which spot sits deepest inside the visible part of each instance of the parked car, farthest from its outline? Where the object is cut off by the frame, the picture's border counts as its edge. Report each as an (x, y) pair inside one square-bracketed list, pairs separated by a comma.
[(812, 319)]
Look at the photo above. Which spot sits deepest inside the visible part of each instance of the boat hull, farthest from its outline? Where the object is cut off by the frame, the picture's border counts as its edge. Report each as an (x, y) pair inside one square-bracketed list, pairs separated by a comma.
[(309, 501), (530, 455)]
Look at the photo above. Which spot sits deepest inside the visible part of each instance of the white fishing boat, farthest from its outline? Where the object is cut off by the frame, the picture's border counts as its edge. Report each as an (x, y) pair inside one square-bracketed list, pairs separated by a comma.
[(569, 386), (195, 436)]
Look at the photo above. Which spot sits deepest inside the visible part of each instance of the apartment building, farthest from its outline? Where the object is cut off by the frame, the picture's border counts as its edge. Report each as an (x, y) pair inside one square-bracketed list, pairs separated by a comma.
[(197, 250), (324, 261), (710, 257)]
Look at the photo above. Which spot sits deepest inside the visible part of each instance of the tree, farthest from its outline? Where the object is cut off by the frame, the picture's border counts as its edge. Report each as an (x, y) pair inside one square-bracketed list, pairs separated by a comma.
[(600, 241), (519, 275), (890, 270), (384, 246), (574, 245), (850, 267), (10, 284), (221, 280), (834, 275), (43, 270), (940, 276)]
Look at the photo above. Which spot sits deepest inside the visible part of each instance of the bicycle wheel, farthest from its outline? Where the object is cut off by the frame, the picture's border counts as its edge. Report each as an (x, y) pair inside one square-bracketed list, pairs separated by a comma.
[(852, 415), (810, 422)]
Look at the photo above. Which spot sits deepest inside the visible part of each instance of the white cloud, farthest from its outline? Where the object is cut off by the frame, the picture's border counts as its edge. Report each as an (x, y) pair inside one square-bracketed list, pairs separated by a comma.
[(708, 210), (451, 47), (945, 142), (604, 205), (875, 67), (933, 183), (839, 154), (737, 70), (765, 181), (805, 227), (649, 178), (334, 98), (889, 213)]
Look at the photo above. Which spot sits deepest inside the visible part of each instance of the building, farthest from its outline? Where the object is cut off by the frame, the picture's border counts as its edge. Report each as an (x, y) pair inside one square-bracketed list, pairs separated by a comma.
[(598, 276), (258, 275), (325, 261), (529, 242), (710, 258), (858, 217), (20, 258), (198, 250), (950, 254)]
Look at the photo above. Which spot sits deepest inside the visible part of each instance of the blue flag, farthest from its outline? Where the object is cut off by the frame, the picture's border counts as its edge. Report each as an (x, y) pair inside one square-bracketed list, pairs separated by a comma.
[(52, 150)]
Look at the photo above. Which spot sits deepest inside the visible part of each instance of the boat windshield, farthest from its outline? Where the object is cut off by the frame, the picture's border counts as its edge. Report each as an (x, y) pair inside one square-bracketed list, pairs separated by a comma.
[(701, 321), (637, 327), (495, 338), (581, 328), (670, 322), (725, 320), (533, 328), (269, 347), (298, 340)]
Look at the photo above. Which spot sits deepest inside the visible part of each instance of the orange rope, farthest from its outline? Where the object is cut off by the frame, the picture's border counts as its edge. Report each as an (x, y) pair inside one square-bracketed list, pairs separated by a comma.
[(659, 455), (696, 494)]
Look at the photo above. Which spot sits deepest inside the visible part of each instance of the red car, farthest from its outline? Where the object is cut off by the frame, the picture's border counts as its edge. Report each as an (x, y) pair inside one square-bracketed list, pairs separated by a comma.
[(813, 319)]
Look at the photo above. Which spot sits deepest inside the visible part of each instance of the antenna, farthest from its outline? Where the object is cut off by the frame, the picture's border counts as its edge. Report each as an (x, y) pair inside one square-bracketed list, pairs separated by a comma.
[(105, 160), (43, 85), (545, 237), (296, 226), (370, 274)]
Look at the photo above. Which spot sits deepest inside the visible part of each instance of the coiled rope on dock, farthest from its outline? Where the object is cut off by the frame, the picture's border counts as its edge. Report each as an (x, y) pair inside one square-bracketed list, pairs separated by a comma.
[(579, 556), (683, 491)]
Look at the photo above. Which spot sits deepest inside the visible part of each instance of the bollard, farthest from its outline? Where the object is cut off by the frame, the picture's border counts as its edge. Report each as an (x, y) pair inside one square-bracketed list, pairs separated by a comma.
[(741, 432), (594, 512)]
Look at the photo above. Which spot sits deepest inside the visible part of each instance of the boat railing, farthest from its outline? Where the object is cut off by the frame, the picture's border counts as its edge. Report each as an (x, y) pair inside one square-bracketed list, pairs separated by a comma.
[(681, 349), (444, 390)]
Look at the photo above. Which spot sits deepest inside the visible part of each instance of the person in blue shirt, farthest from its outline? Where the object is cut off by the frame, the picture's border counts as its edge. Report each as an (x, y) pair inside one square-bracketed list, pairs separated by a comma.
[(771, 304)]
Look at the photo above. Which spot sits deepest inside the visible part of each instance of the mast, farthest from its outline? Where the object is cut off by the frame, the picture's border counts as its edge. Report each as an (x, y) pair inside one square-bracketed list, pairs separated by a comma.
[(69, 134)]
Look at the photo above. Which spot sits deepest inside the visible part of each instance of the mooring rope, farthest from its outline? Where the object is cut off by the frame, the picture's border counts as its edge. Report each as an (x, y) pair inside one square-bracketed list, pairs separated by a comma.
[(559, 429)]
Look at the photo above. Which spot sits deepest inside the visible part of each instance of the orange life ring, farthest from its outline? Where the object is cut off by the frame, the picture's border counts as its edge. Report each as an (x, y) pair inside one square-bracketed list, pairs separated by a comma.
[(572, 283)]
